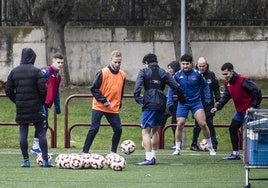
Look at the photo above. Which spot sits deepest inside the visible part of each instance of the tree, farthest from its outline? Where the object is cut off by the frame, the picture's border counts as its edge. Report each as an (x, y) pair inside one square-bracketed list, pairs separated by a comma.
[(55, 14)]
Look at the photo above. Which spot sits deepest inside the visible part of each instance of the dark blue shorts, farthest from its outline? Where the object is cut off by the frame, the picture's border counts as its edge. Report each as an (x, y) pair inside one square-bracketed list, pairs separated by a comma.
[(151, 118), (183, 110)]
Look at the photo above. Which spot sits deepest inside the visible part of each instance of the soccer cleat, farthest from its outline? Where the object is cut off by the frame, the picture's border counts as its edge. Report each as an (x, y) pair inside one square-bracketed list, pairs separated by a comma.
[(147, 162), (231, 157), (211, 151), (172, 147), (47, 164), (176, 152), (36, 151), (25, 164), (194, 148)]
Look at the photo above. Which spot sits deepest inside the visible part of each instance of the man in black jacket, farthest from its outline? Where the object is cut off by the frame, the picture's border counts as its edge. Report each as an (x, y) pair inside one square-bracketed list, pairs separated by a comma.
[(26, 87), (153, 79), (214, 87)]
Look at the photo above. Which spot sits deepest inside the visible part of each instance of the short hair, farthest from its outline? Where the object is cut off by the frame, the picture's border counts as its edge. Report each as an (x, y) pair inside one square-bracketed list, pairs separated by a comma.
[(116, 53), (229, 66), (57, 56), (149, 58), (187, 58), (202, 58)]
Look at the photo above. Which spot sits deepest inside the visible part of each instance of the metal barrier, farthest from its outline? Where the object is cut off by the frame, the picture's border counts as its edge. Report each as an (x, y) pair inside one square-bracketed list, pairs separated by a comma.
[(53, 131), (68, 129), (162, 130)]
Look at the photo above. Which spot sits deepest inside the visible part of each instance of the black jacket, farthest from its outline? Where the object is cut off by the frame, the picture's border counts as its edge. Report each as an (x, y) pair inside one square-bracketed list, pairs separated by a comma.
[(154, 97), (26, 87), (214, 88)]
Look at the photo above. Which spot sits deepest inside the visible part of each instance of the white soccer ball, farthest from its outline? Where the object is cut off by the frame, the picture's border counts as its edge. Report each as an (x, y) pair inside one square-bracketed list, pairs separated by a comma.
[(76, 161), (86, 160), (97, 161), (203, 145), (39, 159), (109, 157), (63, 160), (118, 163), (128, 147)]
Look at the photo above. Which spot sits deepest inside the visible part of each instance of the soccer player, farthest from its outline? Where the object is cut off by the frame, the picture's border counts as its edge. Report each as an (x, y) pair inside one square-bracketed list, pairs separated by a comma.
[(53, 79), (245, 95), (191, 82), (107, 90), (153, 80), (215, 95)]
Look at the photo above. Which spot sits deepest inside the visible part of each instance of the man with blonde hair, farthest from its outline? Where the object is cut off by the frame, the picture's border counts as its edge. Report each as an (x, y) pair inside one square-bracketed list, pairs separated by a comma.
[(107, 90)]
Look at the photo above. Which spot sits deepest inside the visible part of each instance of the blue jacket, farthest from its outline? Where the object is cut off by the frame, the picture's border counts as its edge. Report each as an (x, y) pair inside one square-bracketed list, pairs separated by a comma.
[(191, 83), (154, 97)]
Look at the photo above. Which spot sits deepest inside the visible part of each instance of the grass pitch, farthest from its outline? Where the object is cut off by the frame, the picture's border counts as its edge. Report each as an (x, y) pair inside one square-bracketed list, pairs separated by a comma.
[(191, 169)]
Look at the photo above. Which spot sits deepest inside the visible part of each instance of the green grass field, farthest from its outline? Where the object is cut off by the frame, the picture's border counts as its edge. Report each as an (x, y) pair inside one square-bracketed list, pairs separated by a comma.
[(191, 169)]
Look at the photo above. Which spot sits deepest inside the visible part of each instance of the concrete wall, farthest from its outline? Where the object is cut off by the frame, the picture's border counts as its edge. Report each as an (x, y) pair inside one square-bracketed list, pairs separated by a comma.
[(89, 49)]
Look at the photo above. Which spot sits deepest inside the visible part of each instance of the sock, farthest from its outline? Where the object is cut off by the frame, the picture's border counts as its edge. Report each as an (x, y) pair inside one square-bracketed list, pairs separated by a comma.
[(209, 143), (36, 143), (148, 156), (235, 152), (178, 145), (154, 154)]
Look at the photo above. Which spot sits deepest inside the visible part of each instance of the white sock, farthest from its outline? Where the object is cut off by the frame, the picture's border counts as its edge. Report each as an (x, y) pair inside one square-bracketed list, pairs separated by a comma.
[(178, 145), (209, 143), (148, 156), (153, 154), (36, 143)]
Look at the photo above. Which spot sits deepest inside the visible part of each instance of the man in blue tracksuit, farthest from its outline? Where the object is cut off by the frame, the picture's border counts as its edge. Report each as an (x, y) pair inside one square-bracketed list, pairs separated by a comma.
[(191, 82)]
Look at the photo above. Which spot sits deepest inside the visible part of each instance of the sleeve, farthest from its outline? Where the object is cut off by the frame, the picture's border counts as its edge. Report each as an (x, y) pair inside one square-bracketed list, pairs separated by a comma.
[(170, 97), (206, 89), (138, 87), (215, 86), (46, 73), (57, 103), (175, 88), (9, 88), (255, 91), (95, 88), (42, 86), (224, 99)]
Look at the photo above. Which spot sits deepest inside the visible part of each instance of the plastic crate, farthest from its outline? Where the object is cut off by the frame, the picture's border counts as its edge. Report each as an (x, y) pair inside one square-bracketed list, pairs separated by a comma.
[(257, 144), (259, 123)]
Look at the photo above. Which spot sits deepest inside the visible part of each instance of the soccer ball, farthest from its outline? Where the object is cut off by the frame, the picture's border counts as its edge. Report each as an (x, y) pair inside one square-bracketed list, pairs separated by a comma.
[(203, 145), (39, 159), (86, 160), (63, 160), (109, 157), (76, 161), (118, 163), (128, 147), (97, 161)]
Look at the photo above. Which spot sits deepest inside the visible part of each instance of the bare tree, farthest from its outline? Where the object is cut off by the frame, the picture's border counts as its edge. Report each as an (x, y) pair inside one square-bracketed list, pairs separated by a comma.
[(56, 14)]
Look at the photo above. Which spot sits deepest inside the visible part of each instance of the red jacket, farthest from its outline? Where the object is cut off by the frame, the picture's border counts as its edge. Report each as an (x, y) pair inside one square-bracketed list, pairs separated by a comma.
[(52, 86)]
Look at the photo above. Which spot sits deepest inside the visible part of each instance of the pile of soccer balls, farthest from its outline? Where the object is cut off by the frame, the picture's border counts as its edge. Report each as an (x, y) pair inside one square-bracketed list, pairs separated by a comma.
[(93, 160)]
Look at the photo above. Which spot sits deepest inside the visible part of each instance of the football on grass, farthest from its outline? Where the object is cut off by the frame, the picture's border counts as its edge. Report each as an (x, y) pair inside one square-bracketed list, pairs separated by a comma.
[(39, 159), (128, 147), (203, 145)]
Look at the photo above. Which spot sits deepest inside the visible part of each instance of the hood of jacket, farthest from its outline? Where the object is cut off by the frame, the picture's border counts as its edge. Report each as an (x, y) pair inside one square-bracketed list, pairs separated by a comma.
[(28, 56)]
